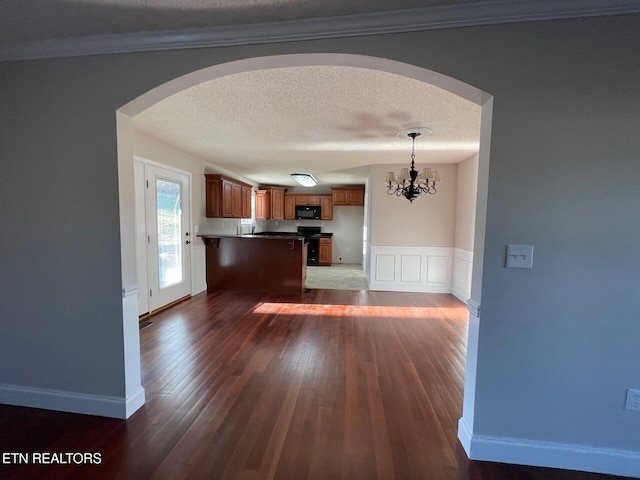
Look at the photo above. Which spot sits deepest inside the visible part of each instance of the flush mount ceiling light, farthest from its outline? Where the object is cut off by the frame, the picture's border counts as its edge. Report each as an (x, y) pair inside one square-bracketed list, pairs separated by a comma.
[(409, 183), (304, 179)]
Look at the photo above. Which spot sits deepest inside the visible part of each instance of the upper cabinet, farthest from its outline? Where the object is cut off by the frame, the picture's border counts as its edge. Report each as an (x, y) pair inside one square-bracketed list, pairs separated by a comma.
[(246, 201), (277, 203), (270, 203), (290, 207), (291, 200), (263, 204), (348, 196), (227, 197), (326, 207)]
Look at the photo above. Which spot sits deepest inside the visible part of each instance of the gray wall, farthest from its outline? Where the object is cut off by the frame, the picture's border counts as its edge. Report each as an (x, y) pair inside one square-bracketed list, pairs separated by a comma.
[(556, 344)]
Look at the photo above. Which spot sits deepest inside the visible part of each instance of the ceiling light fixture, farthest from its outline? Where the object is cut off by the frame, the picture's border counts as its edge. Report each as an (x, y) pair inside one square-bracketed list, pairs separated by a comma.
[(304, 179), (408, 183)]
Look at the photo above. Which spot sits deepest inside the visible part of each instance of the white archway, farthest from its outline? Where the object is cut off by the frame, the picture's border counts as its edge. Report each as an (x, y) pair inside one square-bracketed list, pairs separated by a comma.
[(124, 117)]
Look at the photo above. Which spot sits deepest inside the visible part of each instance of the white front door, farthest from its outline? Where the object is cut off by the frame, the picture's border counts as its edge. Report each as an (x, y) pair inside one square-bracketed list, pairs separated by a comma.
[(168, 236)]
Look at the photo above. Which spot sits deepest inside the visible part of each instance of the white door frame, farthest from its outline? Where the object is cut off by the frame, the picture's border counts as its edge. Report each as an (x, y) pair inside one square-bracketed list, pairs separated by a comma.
[(145, 305)]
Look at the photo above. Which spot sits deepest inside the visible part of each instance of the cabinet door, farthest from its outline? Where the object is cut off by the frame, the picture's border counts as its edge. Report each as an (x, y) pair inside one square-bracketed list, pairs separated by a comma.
[(355, 197), (213, 196), (326, 207), (227, 198), (324, 251), (246, 201), (339, 196), (236, 200), (313, 199), (290, 207), (277, 204), (301, 200), (262, 205)]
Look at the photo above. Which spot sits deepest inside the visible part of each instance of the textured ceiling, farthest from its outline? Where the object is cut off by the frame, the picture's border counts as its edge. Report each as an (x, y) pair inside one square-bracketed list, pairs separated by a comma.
[(330, 121)]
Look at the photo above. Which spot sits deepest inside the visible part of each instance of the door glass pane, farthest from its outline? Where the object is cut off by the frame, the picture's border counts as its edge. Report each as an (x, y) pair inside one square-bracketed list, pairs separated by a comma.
[(169, 215)]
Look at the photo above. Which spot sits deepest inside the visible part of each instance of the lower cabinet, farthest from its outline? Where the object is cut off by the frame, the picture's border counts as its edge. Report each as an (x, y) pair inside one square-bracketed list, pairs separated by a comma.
[(324, 251)]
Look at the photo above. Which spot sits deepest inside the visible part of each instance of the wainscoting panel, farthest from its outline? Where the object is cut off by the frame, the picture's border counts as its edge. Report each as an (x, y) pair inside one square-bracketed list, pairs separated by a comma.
[(462, 269), (438, 269), (385, 268), (411, 269)]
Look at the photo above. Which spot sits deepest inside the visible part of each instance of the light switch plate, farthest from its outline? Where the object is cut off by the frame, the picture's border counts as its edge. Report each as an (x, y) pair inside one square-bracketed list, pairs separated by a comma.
[(519, 256), (633, 399)]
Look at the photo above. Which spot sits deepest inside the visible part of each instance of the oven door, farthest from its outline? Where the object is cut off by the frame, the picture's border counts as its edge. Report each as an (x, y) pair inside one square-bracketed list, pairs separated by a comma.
[(313, 254)]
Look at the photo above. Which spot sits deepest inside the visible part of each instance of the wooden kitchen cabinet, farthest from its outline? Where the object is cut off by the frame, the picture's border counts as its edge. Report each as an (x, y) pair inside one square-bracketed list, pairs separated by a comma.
[(291, 200), (277, 203), (313, 199), (227, 197), (246, 201), (263, 205), (236, 200), (348, 196), (326, 207), (290, 207), (270, 203), (324, 251)]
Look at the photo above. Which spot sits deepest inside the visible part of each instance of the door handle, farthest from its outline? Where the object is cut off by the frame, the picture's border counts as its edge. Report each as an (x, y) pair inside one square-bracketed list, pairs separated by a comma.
[(187, 242)]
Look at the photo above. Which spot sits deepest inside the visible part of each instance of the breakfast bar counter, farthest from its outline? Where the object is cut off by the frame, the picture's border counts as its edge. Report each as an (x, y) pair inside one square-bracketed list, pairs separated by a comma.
[(263, 263)]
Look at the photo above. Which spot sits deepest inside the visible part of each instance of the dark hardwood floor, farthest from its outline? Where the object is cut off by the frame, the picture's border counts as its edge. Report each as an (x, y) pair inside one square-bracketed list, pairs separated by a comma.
[(326, 385)]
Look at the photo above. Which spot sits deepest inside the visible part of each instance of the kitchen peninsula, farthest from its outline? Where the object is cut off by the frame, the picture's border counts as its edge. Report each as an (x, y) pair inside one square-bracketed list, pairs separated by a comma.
[(263, 263)]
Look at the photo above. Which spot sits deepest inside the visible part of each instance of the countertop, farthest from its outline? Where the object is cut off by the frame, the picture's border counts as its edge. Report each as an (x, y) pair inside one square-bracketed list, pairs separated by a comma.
[(293, 234), (248, 235), (270, 235)]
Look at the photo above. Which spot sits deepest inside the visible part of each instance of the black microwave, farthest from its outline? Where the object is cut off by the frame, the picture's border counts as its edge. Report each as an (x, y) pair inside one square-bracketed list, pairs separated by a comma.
[(307, 212)]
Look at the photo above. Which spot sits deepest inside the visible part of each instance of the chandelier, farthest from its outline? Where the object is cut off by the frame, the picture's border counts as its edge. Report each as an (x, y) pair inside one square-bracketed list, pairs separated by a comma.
[(409, 183)]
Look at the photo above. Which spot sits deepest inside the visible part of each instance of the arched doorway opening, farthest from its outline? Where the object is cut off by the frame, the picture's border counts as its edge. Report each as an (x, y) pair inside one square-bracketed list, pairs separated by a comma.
[(126, 189)]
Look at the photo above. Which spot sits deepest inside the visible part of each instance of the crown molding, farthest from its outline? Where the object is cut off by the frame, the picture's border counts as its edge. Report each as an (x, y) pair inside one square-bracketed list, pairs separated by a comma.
[(397, 21)]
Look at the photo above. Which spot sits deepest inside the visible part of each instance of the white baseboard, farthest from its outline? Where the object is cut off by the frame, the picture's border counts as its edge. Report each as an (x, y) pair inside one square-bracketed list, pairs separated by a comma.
[(548, 454), (100, 405), (134, 402), (464, 435)]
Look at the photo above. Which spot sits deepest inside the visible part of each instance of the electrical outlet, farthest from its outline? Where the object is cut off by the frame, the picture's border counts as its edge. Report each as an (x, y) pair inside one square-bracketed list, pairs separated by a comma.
[(633, 400)]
